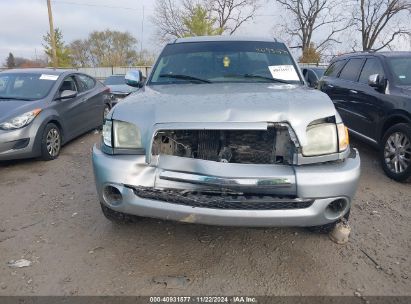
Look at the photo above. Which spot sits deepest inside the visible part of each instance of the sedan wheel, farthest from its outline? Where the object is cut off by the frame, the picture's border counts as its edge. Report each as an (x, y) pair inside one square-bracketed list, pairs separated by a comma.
[(51, 142), (397, 152)]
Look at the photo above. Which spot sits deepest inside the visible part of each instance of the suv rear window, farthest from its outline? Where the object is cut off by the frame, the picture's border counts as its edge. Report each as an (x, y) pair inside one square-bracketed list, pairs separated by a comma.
[(334, 68), (351, 69)]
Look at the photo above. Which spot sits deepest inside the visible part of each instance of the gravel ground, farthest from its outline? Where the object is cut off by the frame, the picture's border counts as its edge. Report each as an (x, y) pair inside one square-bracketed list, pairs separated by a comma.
[(50, 216)]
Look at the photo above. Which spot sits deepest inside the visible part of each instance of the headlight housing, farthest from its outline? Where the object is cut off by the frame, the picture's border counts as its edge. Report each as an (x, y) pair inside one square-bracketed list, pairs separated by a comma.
[(326, 138), (20, 121), (121, 135)]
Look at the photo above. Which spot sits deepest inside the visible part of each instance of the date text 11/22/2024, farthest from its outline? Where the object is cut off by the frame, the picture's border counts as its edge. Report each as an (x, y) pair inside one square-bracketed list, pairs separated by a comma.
[(203, 299)]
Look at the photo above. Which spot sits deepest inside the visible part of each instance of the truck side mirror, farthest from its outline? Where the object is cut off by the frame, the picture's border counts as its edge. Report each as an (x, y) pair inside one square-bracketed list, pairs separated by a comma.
[(134, 78)]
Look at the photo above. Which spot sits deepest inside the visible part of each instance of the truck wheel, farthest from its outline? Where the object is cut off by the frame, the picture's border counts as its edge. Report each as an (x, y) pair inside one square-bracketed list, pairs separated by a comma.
[(117, 217), (327, 228), (395, 152), (50, 142)]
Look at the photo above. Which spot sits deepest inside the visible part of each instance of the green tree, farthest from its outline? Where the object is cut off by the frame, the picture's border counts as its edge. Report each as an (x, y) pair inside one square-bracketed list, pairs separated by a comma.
[(62, 51), (10, 61), (200, 23), (310, 55)]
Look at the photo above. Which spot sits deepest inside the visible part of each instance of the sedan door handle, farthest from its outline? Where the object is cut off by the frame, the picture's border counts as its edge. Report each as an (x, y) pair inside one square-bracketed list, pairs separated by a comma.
[(330, 86), (353, 91)]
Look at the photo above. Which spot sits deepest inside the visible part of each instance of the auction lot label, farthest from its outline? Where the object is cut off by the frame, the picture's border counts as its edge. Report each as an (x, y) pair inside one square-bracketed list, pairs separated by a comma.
[(284, 72)]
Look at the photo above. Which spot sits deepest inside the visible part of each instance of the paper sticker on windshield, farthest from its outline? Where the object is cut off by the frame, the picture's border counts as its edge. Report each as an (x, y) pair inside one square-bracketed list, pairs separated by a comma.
[(284, 72), (48, 77)]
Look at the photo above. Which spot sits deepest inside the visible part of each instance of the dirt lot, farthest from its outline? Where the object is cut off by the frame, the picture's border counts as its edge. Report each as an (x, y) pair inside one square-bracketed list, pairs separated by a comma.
[(50, 215)]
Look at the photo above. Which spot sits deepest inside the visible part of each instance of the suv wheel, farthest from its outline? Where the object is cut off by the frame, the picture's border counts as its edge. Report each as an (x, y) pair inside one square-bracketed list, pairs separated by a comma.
[(50, 142), (117, 217), (395, 152)]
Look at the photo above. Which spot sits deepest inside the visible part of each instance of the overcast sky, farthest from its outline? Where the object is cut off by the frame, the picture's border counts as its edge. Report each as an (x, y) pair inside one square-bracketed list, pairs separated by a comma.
[(24, 22)]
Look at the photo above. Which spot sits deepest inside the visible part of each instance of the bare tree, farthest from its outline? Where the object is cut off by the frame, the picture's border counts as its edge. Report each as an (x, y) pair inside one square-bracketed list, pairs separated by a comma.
[(168, 19), (308, 17), (381, 22), (80, 53), (229, 15), (112, 48), (104, 48)]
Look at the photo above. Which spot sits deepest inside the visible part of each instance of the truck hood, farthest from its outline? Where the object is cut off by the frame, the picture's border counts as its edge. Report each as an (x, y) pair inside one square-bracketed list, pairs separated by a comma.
[(225, 103)]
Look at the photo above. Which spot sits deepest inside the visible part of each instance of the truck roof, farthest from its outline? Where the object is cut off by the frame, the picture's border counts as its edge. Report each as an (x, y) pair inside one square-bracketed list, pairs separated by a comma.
[(224, 38)]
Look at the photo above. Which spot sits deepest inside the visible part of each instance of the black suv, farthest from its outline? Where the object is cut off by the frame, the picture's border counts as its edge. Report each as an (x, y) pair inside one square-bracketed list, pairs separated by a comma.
[(372, 93)]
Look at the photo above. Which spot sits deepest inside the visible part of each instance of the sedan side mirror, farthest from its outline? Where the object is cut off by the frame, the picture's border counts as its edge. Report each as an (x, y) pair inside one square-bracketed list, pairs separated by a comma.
[(67, 94), (134, 78)]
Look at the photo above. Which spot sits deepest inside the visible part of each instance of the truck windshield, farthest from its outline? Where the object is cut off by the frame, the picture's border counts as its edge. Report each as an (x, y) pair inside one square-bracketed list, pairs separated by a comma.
[(25, 86), (401, 70), (225, 61)]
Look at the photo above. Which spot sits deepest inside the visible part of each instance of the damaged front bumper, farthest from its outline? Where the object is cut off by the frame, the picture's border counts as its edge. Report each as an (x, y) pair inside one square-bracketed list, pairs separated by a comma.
[(209, 192)]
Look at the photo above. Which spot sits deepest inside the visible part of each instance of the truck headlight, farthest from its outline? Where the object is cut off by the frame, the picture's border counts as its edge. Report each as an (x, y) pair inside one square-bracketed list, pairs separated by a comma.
[(326, 138), (321, 139), (126, 135), (20, 121)]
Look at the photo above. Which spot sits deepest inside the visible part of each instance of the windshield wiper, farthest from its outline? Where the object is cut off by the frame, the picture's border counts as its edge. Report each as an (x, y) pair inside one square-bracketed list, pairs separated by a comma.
[(260, 77), (15, 98), (186, 77)]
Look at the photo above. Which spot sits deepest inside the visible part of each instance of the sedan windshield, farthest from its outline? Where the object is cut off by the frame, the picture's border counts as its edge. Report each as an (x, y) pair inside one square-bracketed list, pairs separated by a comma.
[(401, 70), (25, 86), (225, 61), (115, 80)]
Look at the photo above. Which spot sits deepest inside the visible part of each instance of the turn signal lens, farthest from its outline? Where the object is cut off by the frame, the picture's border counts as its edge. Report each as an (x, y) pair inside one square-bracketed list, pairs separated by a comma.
[(343, 138)]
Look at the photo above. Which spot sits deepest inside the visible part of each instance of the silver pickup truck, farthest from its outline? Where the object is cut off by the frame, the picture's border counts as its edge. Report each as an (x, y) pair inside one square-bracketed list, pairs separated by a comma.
[(226, 132)]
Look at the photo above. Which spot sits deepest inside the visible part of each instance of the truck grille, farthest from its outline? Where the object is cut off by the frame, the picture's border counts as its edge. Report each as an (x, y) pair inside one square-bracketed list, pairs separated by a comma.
[(271, 146), (222, 201)]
